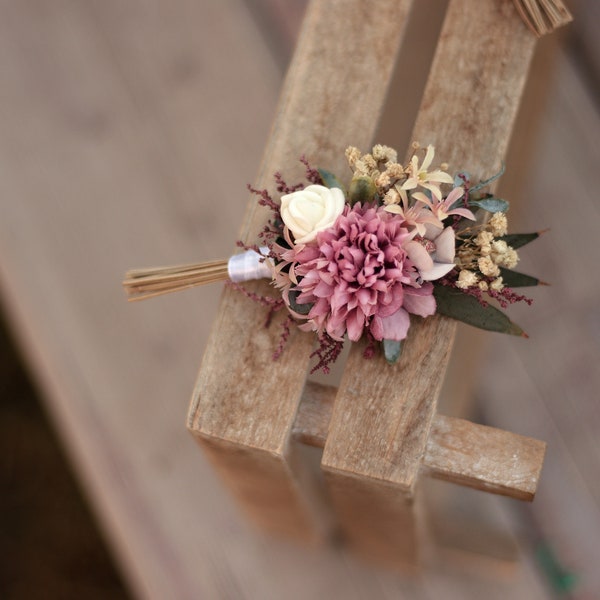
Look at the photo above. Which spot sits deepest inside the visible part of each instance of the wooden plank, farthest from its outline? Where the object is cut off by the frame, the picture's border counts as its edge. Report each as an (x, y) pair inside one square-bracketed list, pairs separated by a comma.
[(467, 112), (244, 400), (484, 458), (457, 451)]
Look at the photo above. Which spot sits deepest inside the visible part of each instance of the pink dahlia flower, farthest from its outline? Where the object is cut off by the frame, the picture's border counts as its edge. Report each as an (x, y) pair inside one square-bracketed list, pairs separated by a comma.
[(364, 272)]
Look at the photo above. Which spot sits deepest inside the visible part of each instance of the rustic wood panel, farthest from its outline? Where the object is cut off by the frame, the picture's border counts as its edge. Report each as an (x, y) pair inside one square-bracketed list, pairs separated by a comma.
[(484, 458), (458, 451), (468, 117), (244, 400)]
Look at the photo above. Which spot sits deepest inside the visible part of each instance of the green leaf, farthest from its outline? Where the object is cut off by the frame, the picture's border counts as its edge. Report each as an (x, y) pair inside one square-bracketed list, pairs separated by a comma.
[(462, 307), (517, 240), (487, 182), (514, 279), (362, 189), (490, 204), (392, 350), (330, 180)]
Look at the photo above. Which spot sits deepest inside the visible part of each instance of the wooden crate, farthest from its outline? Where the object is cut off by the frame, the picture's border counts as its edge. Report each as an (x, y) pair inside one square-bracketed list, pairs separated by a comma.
[(379, 429)]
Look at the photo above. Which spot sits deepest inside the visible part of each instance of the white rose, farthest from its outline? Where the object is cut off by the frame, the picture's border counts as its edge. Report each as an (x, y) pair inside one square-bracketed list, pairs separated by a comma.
[(308, 211)]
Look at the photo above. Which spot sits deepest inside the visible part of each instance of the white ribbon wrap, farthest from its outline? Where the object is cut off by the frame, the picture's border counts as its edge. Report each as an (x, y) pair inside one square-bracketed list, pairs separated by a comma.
[(249, 265)]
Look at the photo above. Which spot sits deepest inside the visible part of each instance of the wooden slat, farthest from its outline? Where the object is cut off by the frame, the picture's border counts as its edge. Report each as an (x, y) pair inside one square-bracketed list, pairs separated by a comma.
[(244, 406), (467, 112), (484, 458), (457, 451)]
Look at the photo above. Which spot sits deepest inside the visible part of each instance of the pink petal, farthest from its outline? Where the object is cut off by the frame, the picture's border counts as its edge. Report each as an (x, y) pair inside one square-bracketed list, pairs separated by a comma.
[(419, 256), (420, 301), (463, 212), (445, 246), (438, 270), (354, 325), (391, 301), (453, 196), (394, 327), (421, 197)]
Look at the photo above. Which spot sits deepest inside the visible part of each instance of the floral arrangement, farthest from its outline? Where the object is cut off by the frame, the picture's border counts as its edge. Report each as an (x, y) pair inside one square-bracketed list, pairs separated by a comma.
[(402, 242)]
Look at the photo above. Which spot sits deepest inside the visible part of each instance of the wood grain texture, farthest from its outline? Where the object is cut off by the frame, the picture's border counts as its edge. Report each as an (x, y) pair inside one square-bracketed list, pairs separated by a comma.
[(112, 116), (111, 113), (458, 451), (484, 458), (474, 87), (240, 398), (467, 112)]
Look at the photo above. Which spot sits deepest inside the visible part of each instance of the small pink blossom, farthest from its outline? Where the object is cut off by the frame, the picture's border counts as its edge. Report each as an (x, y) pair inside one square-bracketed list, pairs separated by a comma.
[(442, 209)]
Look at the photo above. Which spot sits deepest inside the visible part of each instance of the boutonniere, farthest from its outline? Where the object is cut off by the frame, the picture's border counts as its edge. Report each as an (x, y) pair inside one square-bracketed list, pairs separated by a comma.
[(400, 242)]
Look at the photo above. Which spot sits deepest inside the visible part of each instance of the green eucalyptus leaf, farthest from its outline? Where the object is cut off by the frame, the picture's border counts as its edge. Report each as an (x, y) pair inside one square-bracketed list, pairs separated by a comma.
[(362, 189), (517, 240), (462, 307), (491, 204), (487, 182), (330, 180), (302, 309), (392, 349), (513, 279)]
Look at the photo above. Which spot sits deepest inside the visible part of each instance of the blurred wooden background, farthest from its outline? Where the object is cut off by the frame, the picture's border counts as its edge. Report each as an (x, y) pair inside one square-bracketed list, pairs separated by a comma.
[(128, 131)]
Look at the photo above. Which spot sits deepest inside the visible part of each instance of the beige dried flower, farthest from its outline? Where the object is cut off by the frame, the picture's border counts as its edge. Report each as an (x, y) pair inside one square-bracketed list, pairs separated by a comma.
[(465, 257), (488, 267), (370, 163), (498, 224), (503, 255), (391, 197), (466, 279), (379, 153), (360, 168), (383, 181), (484, 238), (395, 170), (384, 153), (510, 259), (497, 284), (483, 286), (499, 248), (352, 155)]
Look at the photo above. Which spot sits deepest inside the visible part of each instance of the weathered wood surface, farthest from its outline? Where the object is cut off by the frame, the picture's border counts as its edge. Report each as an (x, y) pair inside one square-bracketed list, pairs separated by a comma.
[(115, 119), (468, 108), (458, 451), (484, 458), (243, 400)]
